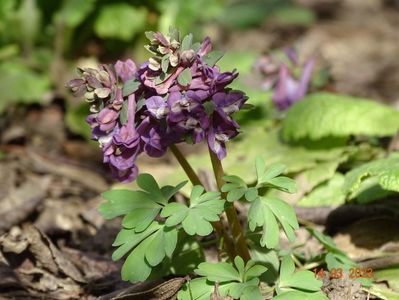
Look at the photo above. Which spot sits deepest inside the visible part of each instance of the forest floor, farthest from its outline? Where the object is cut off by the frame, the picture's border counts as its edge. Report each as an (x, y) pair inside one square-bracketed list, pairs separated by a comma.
[(55, 245)]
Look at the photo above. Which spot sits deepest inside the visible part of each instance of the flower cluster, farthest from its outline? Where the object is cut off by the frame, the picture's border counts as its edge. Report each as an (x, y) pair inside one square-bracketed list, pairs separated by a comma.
[(178, 95), (281, 76)]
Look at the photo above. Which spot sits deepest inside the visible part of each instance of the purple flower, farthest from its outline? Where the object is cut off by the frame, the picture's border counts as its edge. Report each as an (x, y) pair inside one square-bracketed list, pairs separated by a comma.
[(221, 131), (125, 70), (123, 165), (278, 70), (164, 107), (182, 105), (107, 118), (157, 107), (288, 90), (228, 103), (127, 135), (152, 137)]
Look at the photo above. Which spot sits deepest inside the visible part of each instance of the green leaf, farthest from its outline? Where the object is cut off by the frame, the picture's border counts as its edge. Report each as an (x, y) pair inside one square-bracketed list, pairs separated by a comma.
[(187, 256), (20, 84), (130, 86), (122, 202), (165, 63), (318, 176), (240, 265), (201, 289), (251, 293), (289, 295), (120, 21), (150, 247), (127, 239), (265, 175), (162, 243), (148, 183), (322, 115), (139, 207), (235, 188), (389, 275), (123, 116), (287, 267), (218, 272), (141, 217), (236, 194), (254, 272), (301, 280), (243, 279), (270, 176), (196, 219), (385, 170), (265, 257), (265, 211), (328, 193), (185, 77), (169, 191), (74, 12), (233, 179), (238, 290), (136, 268), (213, 57), (383, 292), (187, 42), (251, 194), (283, 183)]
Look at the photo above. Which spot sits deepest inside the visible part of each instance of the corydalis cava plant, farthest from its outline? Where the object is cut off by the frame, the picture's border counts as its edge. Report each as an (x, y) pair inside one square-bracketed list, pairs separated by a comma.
[(178, 95)]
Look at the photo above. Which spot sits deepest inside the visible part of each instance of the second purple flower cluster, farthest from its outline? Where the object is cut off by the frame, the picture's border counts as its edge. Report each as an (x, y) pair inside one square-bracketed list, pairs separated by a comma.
[(178, 95)]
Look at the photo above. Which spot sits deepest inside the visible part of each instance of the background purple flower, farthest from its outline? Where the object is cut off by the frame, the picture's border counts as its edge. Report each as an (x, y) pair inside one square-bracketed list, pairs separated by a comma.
[(288, 90)]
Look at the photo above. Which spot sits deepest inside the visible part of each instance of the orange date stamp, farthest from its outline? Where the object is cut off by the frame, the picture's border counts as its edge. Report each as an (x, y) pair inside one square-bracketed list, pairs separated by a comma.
[(337, 273)]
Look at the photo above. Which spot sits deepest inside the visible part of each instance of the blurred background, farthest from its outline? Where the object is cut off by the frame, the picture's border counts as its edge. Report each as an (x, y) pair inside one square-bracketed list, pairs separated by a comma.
[(51, 174)]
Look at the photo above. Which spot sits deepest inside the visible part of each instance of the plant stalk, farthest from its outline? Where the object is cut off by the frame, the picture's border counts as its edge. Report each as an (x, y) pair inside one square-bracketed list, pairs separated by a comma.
[(236, 230), (218, 226)]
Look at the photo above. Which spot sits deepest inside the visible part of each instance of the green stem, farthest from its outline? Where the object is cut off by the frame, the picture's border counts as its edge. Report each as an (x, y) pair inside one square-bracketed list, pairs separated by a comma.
[(218, 226), (185, 165), (236, 230)]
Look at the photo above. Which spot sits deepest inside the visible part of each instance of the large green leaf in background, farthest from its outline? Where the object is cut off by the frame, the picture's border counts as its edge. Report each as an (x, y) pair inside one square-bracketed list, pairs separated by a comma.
[(120, 21), (385, 170), (74, 12), (20, 84), (323, 115), (328, 193)]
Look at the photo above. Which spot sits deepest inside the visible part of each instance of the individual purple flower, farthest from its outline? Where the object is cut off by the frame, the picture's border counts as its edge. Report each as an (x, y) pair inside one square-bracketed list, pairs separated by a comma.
[(228, 103), (152, 136), (107, 119), (123, 165), (126, 70), (157, 107), (221, 131), (127, 135), (288, 90), (195, 125), (181, 105), (221, 80)]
